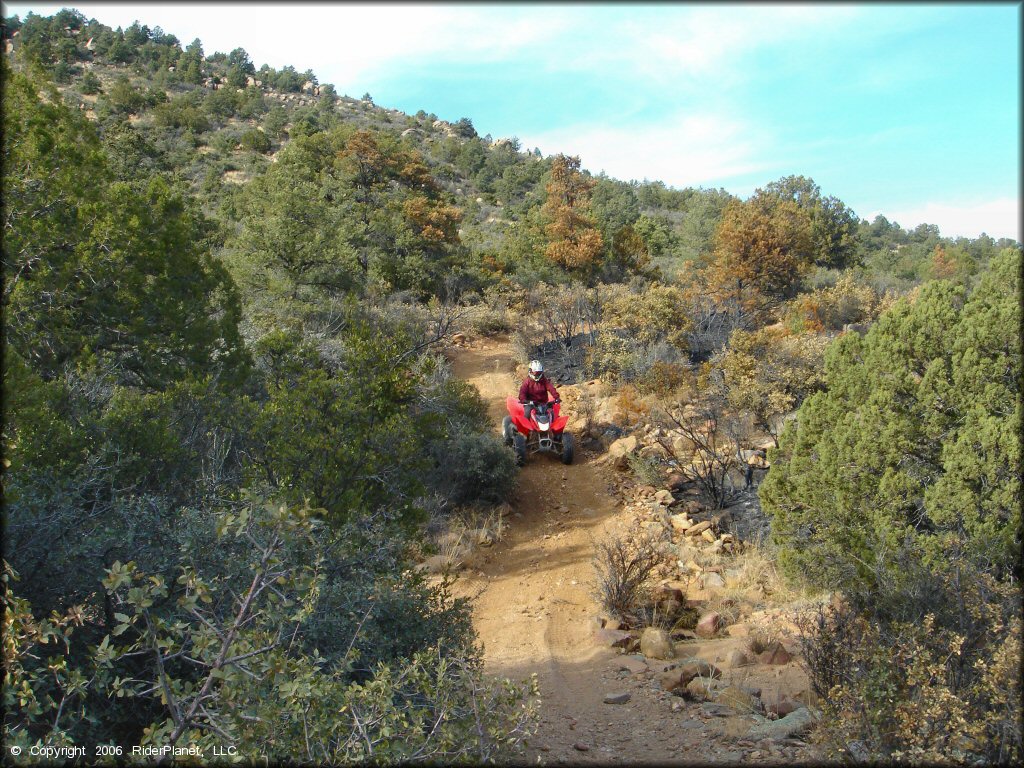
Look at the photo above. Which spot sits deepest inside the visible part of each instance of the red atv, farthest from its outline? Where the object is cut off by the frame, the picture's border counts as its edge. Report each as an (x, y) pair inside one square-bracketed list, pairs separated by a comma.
[(543, 432)]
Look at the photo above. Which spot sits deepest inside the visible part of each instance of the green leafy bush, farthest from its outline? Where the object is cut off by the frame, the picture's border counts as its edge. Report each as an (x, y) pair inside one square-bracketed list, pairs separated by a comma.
[(913, 447), (255, 141), (899, 485)]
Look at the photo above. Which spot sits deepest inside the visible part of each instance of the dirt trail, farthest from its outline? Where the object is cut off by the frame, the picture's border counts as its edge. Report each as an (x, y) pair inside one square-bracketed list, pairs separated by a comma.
[(533, 606)]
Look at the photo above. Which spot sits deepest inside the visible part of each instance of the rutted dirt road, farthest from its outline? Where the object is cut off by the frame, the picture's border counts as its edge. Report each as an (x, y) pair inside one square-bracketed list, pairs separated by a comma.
[(534, 607)]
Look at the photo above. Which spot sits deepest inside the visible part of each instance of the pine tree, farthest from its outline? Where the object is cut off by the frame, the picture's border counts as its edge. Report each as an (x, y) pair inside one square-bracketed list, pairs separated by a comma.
[(574, 241)]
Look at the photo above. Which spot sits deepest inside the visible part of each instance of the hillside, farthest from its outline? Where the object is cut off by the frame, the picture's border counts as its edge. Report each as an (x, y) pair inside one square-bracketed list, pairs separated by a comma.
[(258, 337)]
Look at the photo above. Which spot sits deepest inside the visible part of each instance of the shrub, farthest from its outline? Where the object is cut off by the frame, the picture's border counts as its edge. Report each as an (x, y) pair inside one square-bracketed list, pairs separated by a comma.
[(255, 141), (624, 568), (646, 469), (491, 321), (629, 406), (90, 84), (912, 450), (939, 686), (831, 307), (658, 312), (221, 662), (476, 467), (664, 378)]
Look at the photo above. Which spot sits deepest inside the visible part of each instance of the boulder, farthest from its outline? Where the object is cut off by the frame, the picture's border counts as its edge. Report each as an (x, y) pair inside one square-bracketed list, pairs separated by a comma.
[(737, 698), (620, 451), (793, 724), (656, 644), (699, 528), (775, 653), (709, 624), (782, 707), (617, 698), (712, 581), (664, 497), (736, 658), (706, 534), (692, 667), (613, 638), (672, 681), (635, 665), (680, 522)]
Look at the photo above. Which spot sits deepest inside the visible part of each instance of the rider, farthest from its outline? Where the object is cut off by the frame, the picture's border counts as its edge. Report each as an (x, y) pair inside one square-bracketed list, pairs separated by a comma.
[(535, 388)]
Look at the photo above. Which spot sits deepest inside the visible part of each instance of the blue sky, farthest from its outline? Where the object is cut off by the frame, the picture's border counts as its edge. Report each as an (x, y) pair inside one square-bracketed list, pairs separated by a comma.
[(912, 111)]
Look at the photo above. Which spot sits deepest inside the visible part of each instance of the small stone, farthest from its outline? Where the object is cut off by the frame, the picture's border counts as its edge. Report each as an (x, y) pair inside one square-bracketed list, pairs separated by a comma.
[(613, 638), (775, 653), (680, 522), (656, 644), (581, 747), (699, 528), (671, 681), (635, 665), (713, 581), (709, 624), (736, 658), (707, 535), (617, 698), (782, 707)]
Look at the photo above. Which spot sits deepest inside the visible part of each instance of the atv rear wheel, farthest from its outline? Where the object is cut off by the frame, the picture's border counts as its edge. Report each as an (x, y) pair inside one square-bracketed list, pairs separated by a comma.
[(507, 430), (519, 443), (568, 448)]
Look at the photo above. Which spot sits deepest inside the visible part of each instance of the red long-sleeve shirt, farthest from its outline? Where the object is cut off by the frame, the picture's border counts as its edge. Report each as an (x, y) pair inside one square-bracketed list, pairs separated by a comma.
[(537, 391)]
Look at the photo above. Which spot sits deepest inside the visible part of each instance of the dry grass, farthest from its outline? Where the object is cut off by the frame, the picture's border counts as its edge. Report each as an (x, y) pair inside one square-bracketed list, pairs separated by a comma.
[(759, 580)]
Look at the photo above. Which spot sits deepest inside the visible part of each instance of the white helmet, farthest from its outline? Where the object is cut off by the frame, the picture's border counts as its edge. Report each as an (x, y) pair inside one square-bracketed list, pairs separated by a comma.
[(536, 370)]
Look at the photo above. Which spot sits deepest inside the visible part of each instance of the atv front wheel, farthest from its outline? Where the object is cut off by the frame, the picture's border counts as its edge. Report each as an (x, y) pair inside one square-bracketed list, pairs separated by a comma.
[(568, 448), (519, 443), (507, 430)]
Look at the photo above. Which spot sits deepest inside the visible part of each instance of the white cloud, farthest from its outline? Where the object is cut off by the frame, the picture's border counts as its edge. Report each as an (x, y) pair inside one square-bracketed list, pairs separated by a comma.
[(715, 42), (1000, 217), (344, 44), (681, 150)]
